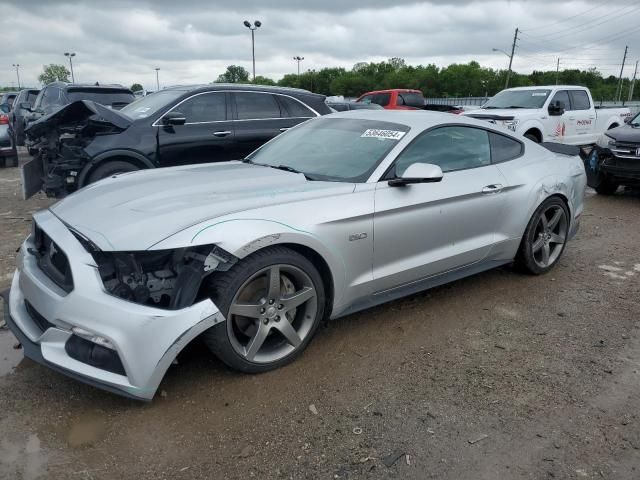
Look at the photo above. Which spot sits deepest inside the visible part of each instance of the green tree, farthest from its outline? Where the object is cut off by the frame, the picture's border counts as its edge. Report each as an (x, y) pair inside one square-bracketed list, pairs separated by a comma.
[(234, 74), (54, 73), (260, 80), (136, 87)]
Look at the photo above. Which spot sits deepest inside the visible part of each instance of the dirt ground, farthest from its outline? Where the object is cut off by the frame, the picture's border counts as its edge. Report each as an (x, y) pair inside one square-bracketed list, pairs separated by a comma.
[(497, 376)]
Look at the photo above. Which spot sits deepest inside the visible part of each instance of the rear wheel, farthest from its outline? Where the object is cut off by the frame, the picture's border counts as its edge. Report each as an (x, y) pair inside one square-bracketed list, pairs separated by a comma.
[(273, 302), (545, 237), (110, 168), (532, 137), (607, 187)]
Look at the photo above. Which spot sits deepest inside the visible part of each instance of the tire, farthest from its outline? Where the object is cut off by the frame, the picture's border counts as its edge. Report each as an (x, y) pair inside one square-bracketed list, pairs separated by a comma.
[(244, 288), (109, 168), (532, 137), (607, 187), (544, 241)]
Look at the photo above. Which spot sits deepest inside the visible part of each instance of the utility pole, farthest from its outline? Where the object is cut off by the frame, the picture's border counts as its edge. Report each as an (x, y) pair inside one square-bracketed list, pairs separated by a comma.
[(157, 69), (619, 89), (557, 70), (633, 82), (513, 50), (298, 59), (17, 67)]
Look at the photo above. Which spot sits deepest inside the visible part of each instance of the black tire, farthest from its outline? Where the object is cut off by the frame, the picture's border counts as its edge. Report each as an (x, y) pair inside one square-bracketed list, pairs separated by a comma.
[(110, 168), (225, 286), (526, 260), (532, 137), (607, 187)]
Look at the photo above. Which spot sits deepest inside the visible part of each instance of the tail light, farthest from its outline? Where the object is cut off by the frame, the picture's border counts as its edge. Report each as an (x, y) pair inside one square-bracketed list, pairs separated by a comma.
[(4, 119)]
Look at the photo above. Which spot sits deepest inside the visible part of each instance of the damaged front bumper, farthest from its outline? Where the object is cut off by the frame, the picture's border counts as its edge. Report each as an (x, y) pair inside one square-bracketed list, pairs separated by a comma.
[(90, 335)]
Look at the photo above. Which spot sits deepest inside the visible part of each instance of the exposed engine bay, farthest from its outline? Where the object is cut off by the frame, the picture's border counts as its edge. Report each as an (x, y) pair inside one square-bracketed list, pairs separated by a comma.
[(169, 279)]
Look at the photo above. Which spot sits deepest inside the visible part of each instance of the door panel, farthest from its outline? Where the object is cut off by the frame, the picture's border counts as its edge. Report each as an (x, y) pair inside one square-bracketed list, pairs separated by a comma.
[(207, 135), (562, 126), (430, 228), (583, 118)]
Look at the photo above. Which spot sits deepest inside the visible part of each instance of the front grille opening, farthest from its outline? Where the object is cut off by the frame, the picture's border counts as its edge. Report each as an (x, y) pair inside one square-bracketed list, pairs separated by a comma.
[(53, 261), (93, 354), (42, 323)]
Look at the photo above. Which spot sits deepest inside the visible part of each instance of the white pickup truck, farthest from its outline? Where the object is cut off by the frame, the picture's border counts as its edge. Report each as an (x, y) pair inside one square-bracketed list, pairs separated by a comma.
[(558, 113)]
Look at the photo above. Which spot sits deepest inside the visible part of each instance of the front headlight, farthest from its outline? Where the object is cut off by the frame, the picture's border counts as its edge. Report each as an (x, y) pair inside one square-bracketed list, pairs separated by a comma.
[(167, 279)]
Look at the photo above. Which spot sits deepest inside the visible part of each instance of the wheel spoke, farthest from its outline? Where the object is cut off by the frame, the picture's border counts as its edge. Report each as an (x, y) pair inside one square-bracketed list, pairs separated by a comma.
[(543, 220), (553, 223), (298, 298), (256, 341), (555, 238), (245, 310), (546, 253), (288, 332), (538, 244), (274, 282)]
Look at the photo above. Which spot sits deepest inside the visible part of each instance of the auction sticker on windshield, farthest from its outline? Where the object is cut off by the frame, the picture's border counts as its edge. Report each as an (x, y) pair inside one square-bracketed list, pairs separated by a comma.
[(376, 133)]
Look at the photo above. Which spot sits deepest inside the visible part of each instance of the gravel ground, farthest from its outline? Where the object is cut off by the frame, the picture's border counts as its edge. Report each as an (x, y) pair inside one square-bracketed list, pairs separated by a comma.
[(501, 375)]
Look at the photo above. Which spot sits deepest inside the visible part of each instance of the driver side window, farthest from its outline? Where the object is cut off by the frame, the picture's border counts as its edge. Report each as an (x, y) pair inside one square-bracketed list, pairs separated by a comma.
[(563, 96), (452, 148)]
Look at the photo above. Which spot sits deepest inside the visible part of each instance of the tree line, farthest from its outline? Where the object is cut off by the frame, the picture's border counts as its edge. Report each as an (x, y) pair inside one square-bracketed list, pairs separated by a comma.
[(456, 80)]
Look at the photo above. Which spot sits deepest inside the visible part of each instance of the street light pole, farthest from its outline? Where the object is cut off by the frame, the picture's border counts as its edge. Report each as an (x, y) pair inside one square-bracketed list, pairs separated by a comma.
[(17, 67), (71, 55), (513, 51), (157, 79), (298, 59), (256, 24)]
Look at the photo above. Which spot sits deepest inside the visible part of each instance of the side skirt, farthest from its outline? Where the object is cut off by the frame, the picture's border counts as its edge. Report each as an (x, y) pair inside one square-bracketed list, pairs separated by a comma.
[(427, 283)]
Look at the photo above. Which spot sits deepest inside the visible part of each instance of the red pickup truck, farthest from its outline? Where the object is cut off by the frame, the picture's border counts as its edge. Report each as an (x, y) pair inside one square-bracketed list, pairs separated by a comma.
[(395, 99)]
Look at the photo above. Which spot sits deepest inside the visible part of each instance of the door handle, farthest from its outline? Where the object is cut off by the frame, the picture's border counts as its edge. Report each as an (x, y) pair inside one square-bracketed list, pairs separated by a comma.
[(491, 189), (222, 134), (284, 129)]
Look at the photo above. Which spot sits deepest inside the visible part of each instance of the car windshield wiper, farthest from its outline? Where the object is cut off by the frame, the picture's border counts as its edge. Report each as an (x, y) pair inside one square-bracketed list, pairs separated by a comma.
[(516, 106), (287, 168)]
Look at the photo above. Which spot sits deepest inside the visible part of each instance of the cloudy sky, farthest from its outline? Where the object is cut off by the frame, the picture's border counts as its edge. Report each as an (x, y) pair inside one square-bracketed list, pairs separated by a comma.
[(193, 41)]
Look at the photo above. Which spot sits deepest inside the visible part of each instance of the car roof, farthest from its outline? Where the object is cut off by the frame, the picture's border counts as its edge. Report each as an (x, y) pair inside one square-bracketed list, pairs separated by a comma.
[(239, 86), (547, 87), (421, 119), (88, 85)]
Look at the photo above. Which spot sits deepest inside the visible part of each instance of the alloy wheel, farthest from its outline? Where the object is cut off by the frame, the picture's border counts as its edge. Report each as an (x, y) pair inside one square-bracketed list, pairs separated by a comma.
[(272, 313), (549, 236)]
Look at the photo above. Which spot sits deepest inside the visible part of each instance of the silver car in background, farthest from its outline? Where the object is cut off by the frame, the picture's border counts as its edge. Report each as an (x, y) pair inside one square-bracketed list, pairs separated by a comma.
[(334, 216)]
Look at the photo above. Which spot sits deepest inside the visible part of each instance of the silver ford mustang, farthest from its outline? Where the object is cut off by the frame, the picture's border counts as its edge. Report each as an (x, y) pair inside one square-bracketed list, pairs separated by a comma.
[(336, 215)]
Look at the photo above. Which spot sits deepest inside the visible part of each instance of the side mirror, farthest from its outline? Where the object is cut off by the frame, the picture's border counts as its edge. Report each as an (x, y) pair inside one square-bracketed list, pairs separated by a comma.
[(174, 118), (628, 119), (556, 108), (418, 173)]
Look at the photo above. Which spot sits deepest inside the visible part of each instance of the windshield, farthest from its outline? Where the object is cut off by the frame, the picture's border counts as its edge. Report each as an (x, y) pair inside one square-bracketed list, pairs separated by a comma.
[(147, 106), (115, 98), (334, 149), (518, 99), (635, 122)]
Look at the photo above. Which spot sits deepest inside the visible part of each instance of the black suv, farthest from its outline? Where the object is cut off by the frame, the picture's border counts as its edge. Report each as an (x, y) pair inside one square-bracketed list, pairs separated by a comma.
[(21, 110), (175, 126)]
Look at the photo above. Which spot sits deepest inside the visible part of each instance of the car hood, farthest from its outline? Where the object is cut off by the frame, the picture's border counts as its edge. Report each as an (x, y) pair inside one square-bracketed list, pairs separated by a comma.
[(134, 211), (625, 134), (499, 113), (82, 111)]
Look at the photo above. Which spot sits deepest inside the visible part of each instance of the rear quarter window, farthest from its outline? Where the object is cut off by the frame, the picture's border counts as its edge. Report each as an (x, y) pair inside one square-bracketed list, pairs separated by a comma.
[(294, 108), (504, 148)]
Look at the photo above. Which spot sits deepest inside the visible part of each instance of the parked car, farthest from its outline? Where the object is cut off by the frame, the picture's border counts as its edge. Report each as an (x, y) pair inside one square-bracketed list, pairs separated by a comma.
[(8, 152), (347, 106), (554, 113), (8, 98), (85, 142), (253, 255), (21, 110), (395, 99), (616, 160)]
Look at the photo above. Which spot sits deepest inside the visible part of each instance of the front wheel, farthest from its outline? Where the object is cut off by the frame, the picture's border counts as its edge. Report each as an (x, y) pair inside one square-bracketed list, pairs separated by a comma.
[(607, 187), (273, 302), (545, 237), (111, 168)]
